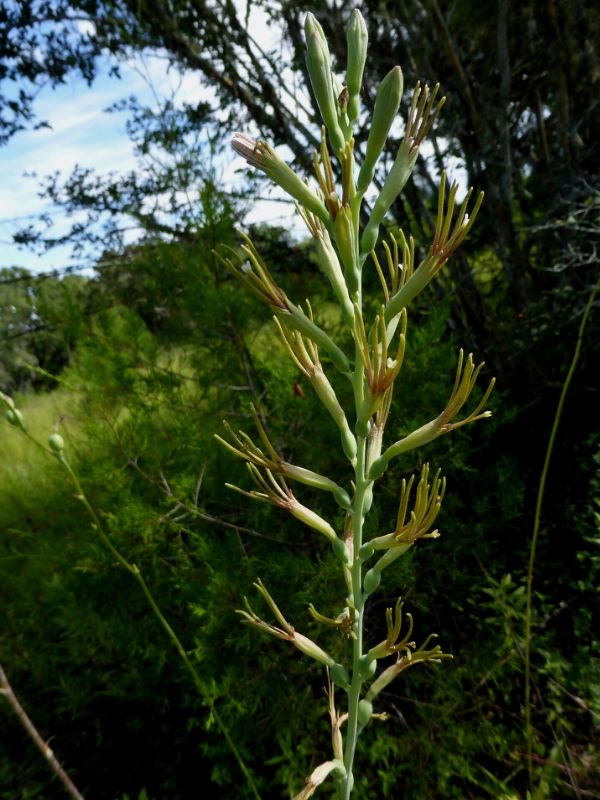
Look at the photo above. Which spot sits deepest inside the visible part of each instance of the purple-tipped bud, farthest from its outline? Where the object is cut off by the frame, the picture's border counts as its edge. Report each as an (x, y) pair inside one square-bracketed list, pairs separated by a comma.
[(262, 156)]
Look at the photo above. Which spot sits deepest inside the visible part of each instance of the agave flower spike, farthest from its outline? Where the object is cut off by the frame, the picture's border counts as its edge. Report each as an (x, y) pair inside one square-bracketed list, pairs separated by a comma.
[(381, 370), (274, 490), (421, 117), (375, 343), (392, 644), (305, 355), (244, 447), (464, 383), (286, 631), (255, 275), (448, 236), (411, 656), (428, 501)]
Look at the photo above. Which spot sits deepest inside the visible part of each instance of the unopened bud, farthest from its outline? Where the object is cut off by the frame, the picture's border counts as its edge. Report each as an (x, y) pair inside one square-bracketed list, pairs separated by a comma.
[(357, 39), (7, 402), (367, 667), (394, 183), (340, 550), (331, 268), (346, 240), (262, 156), (14, 418), (56, 443), (310, 648), (387, 104), (318, 63), (312, 519)]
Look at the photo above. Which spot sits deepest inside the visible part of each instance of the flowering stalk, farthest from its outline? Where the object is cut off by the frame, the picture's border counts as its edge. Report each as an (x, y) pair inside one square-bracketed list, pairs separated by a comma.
[(332, 213)]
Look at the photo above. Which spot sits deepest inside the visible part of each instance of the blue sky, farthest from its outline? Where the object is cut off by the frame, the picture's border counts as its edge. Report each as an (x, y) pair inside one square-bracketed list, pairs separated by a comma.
[(81, 133)]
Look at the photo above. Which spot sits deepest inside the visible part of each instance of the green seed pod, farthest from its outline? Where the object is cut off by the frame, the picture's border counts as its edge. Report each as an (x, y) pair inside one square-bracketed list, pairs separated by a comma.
[(378, 467), (357, 38), (342, 498), (367, 667), (56, 443), (366, 551), (372, 580), (362, 427), (14, 418), (349, 445), (339, 676), (318, 63), (339, 548), (365, 711), (387, 104)]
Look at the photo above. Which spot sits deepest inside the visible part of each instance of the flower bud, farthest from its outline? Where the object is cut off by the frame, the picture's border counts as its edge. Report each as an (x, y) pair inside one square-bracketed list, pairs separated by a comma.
[(346, 240), (365, 711), (387, 104), (357, 39), (56, 443), (342, 498), (15, 418), (310, 648), (312, 519), (326, 394), (330, 267), (6, 401), (262, 156), (318, 63), (394, 183)]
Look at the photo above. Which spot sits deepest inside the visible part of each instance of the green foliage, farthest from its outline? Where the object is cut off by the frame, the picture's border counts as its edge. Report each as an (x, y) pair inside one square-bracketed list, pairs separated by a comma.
[(40, 321), (143, 418), (172, 347)]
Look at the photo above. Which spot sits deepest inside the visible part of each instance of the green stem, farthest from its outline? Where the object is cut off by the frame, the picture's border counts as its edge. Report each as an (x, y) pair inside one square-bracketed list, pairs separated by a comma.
[(362, 486), (536, 530), (134, 571)]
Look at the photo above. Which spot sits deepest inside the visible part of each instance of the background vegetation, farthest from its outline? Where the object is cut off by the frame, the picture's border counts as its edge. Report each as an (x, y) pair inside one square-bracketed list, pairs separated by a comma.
[(140, 363)]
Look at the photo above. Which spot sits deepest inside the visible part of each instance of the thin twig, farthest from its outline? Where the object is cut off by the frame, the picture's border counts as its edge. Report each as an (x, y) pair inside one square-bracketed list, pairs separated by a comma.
[(43, 747)]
